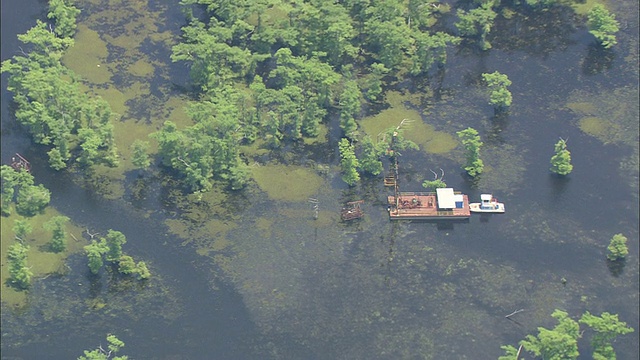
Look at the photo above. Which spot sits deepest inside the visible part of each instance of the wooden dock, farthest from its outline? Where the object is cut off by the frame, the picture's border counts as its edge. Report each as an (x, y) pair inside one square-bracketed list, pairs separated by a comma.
[(425, 206)]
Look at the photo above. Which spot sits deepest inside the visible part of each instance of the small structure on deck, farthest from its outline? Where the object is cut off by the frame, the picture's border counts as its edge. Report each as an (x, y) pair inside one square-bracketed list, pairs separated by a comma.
[(18, 162), (352, 210)]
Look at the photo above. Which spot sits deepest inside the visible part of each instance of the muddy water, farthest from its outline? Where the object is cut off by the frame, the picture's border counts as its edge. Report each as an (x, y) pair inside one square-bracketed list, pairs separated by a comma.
[(253, 273)]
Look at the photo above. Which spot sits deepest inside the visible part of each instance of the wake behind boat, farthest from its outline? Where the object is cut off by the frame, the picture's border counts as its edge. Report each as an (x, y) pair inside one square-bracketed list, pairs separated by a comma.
[(488, 204)]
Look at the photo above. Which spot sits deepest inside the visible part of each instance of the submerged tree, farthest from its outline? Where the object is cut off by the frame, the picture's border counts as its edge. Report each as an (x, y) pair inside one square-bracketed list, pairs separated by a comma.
[(113, 347), (139, 155), (561, 160), (499, 96), (94, 253), (348, 162), (19, 272), (603, 25), (477, 23), (369, 162), (22, 228), (617, 248), (559, 343), (472, 144), (606, 327), (59, 239)]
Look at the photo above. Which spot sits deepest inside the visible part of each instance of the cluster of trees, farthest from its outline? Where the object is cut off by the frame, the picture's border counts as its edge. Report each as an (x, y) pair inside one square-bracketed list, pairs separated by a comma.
[(390, 144), (18, 187), (109, 248), (50, 103), (561, 342)]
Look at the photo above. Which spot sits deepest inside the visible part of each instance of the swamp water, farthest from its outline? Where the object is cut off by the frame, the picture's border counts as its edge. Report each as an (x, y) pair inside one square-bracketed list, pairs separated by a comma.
[(252, 274)]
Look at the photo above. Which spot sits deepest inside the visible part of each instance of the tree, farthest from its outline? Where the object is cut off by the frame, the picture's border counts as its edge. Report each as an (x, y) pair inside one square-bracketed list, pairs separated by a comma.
[(59, 239), (372, 83), (113, 242), (472, 144), (349, 108), (140, 157), (499, 96), (561, 161), (114, 346), (434, 184), (606, 327), (32, 199), (510, 353), (19, 273), (22, 228), (348, 162), (617, 247), (9, 183), (369, 161), (65, 17), (477, 23), (94, 253), (142, 272), (126, 265), (560, 343), (430, 49), (602, 25)]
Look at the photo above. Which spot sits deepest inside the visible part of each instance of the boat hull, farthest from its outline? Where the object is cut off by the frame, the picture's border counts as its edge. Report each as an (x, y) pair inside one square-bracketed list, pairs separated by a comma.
[(494, 208)]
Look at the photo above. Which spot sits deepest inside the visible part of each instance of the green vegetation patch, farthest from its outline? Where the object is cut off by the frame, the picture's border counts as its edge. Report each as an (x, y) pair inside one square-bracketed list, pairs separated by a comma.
[(40, 259), (141, 68), (287, 183), (425, 135), (609, 116), (88, 55)]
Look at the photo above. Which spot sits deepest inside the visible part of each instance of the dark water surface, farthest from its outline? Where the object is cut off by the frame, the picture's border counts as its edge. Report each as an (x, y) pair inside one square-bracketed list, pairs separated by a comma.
[(292, 288)]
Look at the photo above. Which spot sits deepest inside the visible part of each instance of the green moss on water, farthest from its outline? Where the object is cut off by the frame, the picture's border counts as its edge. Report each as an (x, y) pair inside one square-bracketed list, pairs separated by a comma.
[(287, 183), (416, 130), (609, 116), (88, 55), (141, 68)]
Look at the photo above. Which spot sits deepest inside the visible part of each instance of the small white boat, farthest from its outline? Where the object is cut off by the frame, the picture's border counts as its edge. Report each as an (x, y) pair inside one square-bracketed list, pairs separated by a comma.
[(489, 204)]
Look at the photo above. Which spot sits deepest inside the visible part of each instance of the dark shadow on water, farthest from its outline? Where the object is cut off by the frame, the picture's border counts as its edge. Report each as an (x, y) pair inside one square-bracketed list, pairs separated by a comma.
[(536, 32), (598, 59), (616, 267), (558, 185), (499, 123)]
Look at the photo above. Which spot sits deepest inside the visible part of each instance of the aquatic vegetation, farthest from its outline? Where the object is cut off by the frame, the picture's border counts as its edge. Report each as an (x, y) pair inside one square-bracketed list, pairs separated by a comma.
[(287, 183)]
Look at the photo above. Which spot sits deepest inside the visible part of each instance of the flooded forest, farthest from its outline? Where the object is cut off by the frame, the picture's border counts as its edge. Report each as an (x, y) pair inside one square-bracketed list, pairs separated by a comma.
[(175, 176)]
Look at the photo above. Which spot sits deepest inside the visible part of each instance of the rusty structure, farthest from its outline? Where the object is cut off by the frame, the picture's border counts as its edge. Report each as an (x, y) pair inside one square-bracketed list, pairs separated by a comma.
[(18, 162), (352, 210)]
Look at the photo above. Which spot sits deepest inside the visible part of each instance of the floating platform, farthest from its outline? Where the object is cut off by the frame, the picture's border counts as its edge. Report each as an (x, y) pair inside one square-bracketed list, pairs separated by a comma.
[(444, 204)]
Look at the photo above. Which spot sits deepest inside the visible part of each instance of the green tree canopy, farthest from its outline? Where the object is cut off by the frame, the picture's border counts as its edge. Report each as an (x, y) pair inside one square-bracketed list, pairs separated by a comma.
[(617, 248), (561, 160), (499, 95), (606, 328), (477, 23), (19, 273), (348, 162), (472, 144), (559, 343), (603, 25), (59, 238)]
